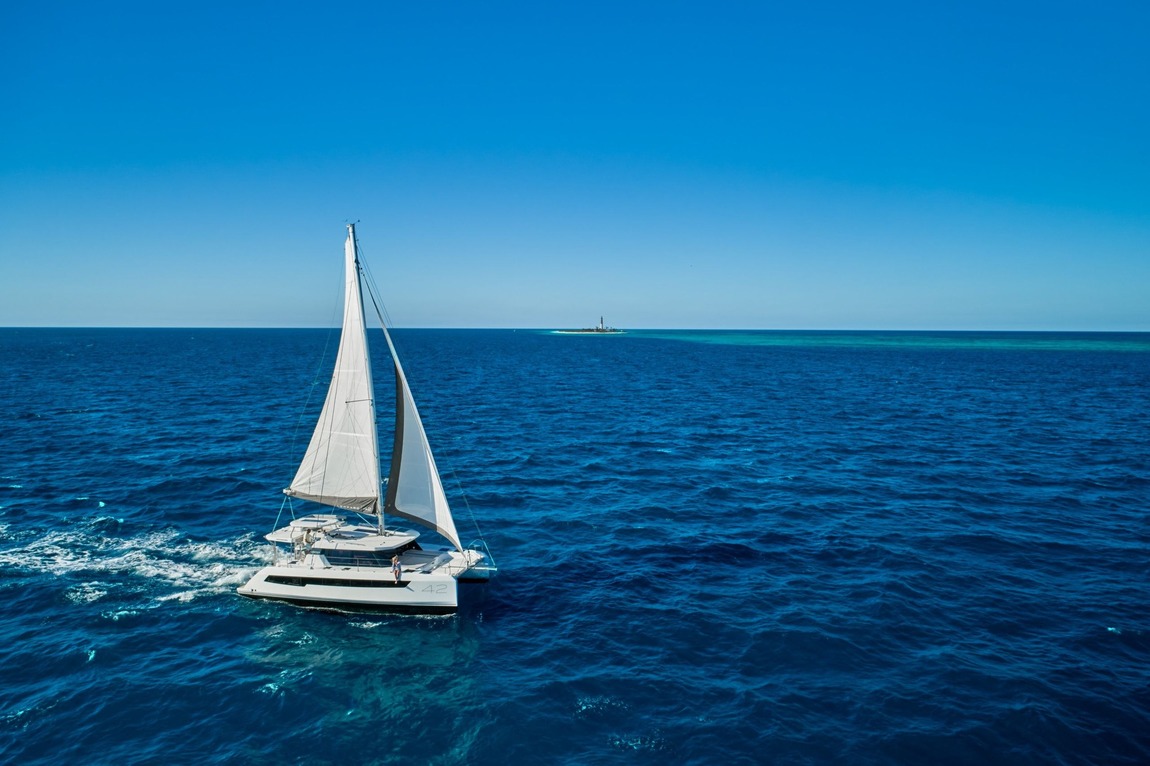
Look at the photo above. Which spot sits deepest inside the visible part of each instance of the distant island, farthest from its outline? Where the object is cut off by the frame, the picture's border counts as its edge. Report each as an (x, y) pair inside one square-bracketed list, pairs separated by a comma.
[(601, 329)]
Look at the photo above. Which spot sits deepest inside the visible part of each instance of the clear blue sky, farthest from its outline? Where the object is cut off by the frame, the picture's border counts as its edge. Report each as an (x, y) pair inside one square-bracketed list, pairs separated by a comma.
[(965, 165)]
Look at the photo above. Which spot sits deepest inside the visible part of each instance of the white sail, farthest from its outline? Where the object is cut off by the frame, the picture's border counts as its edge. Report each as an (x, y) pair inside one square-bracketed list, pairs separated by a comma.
[(414, 490), (341, 465)]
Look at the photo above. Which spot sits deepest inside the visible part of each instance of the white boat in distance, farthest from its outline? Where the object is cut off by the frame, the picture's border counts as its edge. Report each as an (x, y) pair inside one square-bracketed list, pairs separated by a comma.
[(331, 560)]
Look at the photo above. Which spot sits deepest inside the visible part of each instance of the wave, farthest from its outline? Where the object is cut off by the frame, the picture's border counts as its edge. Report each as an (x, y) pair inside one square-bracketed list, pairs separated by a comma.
[(160, 565)]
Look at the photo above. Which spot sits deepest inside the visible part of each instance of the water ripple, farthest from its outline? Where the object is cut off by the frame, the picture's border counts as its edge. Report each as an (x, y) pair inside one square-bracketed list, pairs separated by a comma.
[(715, 548)]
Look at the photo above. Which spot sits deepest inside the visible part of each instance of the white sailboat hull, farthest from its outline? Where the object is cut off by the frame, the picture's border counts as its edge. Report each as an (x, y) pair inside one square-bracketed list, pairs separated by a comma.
[(428, 582), (415, 593)]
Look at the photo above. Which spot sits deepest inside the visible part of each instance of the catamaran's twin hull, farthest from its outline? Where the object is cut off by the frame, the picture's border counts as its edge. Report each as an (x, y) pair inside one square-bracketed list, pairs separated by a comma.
[(336, 564), (356, 589)]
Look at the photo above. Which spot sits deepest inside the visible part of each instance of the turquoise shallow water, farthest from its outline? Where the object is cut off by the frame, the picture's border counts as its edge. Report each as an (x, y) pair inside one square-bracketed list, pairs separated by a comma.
[(735, 547)]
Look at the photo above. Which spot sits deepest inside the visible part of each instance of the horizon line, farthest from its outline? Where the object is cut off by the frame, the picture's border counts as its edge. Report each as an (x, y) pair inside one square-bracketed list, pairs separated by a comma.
[(623, 331)]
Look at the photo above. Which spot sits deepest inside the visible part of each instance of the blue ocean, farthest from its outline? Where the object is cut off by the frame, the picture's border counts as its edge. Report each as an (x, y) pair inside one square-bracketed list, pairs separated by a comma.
[(714, 548)]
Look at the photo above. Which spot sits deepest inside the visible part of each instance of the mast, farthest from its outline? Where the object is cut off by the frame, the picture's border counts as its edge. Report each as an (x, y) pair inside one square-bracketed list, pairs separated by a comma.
[(355, 285), (341, 465), (354, 244)]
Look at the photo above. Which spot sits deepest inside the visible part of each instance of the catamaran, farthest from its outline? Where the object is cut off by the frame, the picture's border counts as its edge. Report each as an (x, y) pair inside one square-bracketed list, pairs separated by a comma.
[(354, 560)]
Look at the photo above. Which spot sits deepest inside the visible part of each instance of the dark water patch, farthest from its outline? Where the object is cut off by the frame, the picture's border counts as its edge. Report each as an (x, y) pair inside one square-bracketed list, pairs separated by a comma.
[(787, 548)]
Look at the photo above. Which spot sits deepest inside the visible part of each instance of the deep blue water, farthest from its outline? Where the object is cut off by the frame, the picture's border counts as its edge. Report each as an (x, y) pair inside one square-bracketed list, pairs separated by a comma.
[(715, 548)]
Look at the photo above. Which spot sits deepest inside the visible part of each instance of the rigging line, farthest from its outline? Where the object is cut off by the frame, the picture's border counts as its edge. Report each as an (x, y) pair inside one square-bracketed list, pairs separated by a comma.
[(286, 501), (373, 291), (381, 313), (377, 303), (466, 502), (336, 313)]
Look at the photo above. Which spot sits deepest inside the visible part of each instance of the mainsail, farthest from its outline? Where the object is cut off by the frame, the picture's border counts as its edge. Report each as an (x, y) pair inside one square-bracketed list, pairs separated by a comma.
[(341, 465)]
